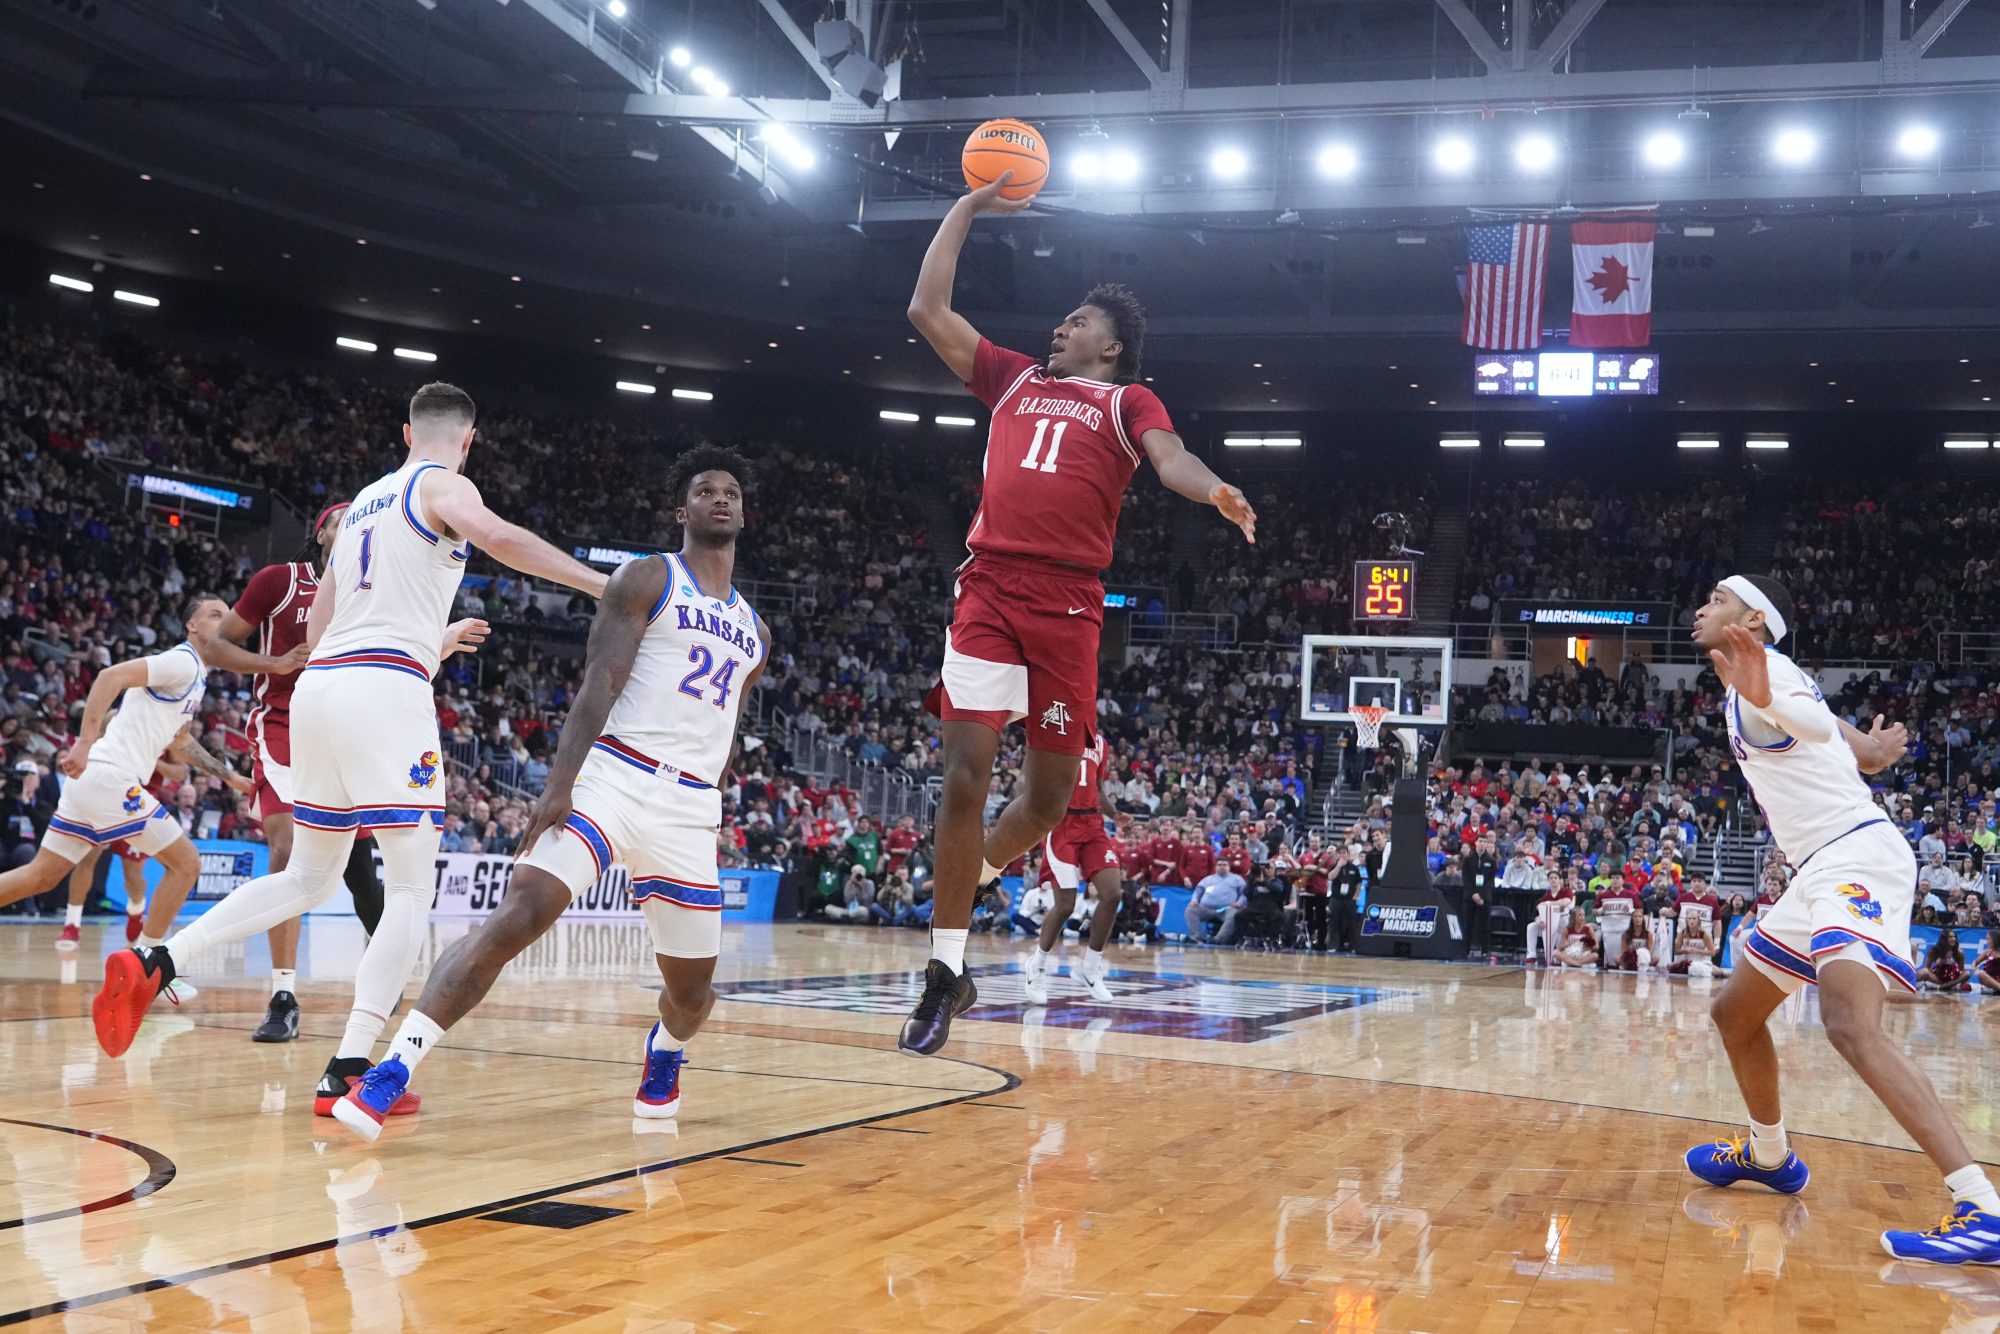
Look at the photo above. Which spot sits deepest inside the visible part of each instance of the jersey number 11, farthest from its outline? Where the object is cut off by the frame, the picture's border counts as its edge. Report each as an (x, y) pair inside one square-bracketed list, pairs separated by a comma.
[(1035, 446)]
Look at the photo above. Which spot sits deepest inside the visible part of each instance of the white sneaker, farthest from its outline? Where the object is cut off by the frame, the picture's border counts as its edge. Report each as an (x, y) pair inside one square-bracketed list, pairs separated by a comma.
[(1090, 976), (180, 991), (1036, 984)]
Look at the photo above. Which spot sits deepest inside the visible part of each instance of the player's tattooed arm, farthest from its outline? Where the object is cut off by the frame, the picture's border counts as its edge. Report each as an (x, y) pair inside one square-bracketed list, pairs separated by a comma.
[(1185, 474), (193, 754), (1880, 747), (750, 684)]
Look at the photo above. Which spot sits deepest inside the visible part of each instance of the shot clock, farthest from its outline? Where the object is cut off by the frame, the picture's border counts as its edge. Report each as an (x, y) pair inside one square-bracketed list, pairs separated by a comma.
[(1385, 590)]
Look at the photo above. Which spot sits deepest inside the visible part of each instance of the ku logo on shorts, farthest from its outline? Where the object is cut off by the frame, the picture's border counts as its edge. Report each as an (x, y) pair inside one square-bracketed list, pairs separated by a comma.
[(1860, 902), (424, 772), (135, 797)]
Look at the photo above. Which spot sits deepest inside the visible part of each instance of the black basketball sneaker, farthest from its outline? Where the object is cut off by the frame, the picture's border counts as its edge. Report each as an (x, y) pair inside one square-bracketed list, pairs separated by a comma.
[(281, 1019), (946, 996)]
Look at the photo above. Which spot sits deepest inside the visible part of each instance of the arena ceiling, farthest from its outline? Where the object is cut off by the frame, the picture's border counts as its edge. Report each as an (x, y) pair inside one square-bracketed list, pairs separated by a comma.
[(551, 173)]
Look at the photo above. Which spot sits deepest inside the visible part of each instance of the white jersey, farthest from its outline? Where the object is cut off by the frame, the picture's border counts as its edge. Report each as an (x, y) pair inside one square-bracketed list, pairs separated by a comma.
[(678, 708), (151, 715), (393, 578), (1810, 792)]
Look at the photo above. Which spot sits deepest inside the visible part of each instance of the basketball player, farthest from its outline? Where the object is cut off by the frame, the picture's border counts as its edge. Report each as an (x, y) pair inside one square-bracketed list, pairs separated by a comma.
[(364, 728), (106, 800), (1844, 923), (1066, 437), (611, 797), (274, 606), (1077, 851)]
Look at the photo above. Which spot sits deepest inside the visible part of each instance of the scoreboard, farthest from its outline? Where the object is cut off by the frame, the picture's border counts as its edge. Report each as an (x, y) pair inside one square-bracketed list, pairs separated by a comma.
[(1385, 590)]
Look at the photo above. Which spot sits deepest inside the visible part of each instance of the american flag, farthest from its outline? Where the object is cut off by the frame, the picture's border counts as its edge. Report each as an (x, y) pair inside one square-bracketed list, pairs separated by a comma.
[(1504, 284)]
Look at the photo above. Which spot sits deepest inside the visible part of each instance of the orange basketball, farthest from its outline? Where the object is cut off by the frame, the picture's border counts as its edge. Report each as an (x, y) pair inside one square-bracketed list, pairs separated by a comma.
[(1007, 145)]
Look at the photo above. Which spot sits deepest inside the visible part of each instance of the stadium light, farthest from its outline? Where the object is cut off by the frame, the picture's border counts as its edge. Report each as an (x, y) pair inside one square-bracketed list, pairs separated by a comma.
[(1459, 442), (891, 415), (73, 284), (704, 79), (354, 344), (1795, 147), (1228, 163), (1263, 441), (1663, 149), (413, 354), (695, 395), (955, 421), (635, 387), (615, 8), (1452, 154), (1698, 442), (679, 55), (1767, 442), (787, 145), (1122, 166), (1338, 161), (1966, 442), (1523, 442), (1918, 141), (1087, 165), (136, 298), (1535, 152)]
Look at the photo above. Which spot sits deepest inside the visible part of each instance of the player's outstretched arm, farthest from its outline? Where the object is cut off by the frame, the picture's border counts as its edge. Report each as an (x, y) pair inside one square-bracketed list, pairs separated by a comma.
[(949, 333), (1184, 474), (226, 651), (192, 753), (455, 502), (629, 599), (110, 684), (1880, 747)]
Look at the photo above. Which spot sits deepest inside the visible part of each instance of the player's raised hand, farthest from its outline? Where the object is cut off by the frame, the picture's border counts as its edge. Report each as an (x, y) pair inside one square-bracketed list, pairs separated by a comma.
[(1235, 508), (1892, 742), (551, 811), (1742, 663), (465, 636), (988, 199)]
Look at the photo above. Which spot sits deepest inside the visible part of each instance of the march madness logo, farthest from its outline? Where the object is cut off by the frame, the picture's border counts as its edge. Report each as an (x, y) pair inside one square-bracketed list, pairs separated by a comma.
[(425, 771), (135, 797), (1056, 718), (1389, 920), (1158, 1004), (1860, 902)]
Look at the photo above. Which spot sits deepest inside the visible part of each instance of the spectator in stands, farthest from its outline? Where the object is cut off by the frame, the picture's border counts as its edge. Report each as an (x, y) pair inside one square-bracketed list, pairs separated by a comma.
[(1037, 901), (1216, 901), (1479, 869), (857, 893)]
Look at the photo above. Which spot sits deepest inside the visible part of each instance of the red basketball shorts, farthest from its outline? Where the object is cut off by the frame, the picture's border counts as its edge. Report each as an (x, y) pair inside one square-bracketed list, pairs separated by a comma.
[(272, 771), (1023, 647), (1077, 849)]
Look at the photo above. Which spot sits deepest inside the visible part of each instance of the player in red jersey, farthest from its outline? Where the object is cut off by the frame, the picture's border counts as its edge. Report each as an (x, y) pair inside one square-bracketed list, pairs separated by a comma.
[(1075, 852), (1066, 437)]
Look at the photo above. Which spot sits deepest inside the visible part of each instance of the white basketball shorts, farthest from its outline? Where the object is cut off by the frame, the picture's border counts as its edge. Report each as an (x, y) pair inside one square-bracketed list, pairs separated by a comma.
[(105, 806), (365, 751), (1849, 900), (661, 826)]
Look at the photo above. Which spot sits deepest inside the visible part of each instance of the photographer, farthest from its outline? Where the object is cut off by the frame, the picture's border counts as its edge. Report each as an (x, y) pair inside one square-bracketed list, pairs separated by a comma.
[(30, 803)]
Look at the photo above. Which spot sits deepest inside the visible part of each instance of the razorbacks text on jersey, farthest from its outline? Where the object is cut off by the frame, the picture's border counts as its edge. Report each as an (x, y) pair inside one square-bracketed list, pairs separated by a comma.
[(393, 578), (1811, 792)]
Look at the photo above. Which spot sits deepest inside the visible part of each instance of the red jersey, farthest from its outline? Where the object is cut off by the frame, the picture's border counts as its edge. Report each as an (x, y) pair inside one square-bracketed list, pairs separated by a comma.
[(897, 844), (1059, 454), (276, 601), (1703, 908), (1136, 858), (1237, 860), (1089, 778), (1197, 862)]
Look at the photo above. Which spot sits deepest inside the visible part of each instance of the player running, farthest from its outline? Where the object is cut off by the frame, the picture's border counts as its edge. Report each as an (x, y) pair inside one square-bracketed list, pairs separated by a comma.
[(365, 729), (106, 800), (1844, 923), (612, 798), (1077, 850), (1066, 437)]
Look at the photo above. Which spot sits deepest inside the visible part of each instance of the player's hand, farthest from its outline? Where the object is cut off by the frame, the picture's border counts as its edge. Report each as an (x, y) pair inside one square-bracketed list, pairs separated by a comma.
[(1235, 508), (988, 199), (290, 662), (551, 811), (237, 782), (1741, 662), (465, 636), (1892, 742), (74, 759)]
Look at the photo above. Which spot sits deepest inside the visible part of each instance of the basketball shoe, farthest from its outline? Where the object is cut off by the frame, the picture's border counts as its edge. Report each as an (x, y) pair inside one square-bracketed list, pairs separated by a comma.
[(131, 981), (373, 1098), (281, 1019), (339, 1080), (1091, 977), (1727, 1161), (1035, 980), (1967, 1236), (659, 1095), (69, 938), (135, 926), (946, 996)]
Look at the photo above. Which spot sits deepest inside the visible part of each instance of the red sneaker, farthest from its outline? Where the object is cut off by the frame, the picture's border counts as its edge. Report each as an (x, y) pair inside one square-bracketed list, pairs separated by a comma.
[(130, 985), (71, 937), (135, 926), (342, 1075)]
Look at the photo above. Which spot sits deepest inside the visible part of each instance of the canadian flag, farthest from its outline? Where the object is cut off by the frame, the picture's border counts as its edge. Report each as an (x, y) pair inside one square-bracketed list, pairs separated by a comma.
[(1613, 304)]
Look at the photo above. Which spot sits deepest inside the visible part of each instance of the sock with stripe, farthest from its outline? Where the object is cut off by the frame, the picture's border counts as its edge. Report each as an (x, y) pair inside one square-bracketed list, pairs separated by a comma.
[(415, 1038), (284, 979), (1969, 1184)]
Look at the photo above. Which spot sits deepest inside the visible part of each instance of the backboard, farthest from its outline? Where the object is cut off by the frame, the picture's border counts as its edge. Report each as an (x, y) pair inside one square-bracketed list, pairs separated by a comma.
[(1408, 674)]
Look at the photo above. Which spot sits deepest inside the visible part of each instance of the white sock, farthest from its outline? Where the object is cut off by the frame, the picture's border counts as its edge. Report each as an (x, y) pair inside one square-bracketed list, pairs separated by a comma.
[(988, 872), (135, 907), (1042, 955), (73, 915), (414, 1039), (1094, 957), (145, 942), (363, 1027), (1767, 1143), (284, 979), (948, 946), (1969, 1183), (660, 1039)]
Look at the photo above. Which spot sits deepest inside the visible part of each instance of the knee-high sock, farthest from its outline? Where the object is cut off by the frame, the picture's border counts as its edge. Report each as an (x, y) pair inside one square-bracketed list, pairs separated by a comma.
[(308, 880), (409, 866)]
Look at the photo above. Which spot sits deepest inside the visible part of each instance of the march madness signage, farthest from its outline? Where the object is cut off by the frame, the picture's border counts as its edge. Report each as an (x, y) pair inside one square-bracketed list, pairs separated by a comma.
[(1388, 919)]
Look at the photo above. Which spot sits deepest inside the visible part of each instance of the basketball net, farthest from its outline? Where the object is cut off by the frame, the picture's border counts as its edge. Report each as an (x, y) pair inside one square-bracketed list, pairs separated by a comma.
[(1368, 724)]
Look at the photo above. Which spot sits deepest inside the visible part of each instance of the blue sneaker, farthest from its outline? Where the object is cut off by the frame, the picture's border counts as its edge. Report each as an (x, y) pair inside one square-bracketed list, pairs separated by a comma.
[(1967, 1236), (369, 1099), (659, 1094), (1727, 1161)]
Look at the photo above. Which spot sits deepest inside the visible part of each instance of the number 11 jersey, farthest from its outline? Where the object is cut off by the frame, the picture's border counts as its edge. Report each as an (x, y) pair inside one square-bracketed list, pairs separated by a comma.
[(1059, 454)]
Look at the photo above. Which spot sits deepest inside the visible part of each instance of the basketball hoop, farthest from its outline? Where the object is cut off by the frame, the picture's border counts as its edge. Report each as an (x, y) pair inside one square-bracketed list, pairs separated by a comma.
[(1368, 724)]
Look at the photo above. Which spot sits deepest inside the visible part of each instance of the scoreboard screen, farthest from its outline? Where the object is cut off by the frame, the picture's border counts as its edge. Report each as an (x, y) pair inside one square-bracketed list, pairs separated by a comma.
[(1385, 590), (1565, 374)]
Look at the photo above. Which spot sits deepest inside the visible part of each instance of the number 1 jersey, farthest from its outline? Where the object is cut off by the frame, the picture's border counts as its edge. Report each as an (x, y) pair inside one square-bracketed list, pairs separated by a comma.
[(1059, 455)]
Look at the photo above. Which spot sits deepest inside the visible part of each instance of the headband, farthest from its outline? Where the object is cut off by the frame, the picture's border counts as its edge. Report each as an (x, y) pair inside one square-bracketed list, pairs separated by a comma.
[(320, 522), (1754, 596)]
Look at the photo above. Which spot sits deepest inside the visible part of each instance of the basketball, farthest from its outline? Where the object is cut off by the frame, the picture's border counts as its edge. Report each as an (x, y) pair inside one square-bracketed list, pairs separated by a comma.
[(1007, 145)]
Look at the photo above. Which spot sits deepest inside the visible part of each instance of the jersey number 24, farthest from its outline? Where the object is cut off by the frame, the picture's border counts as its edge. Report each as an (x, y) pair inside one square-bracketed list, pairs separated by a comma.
[(706, 673)]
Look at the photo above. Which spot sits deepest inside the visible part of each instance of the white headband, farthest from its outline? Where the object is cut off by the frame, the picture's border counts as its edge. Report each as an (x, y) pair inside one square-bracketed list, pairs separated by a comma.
[(1754, 596)]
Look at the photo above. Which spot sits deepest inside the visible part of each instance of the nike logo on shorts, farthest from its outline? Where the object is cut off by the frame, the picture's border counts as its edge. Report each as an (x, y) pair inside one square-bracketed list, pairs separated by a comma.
[(1077, 611)]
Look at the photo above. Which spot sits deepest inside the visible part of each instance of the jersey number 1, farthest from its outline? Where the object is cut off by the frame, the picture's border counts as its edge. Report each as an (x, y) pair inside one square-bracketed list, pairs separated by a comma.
[(1035, 446), (367, 555)]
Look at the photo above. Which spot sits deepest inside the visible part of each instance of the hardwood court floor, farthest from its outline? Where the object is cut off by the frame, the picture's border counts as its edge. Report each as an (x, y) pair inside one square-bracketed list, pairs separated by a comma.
[(1243, 1142)]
